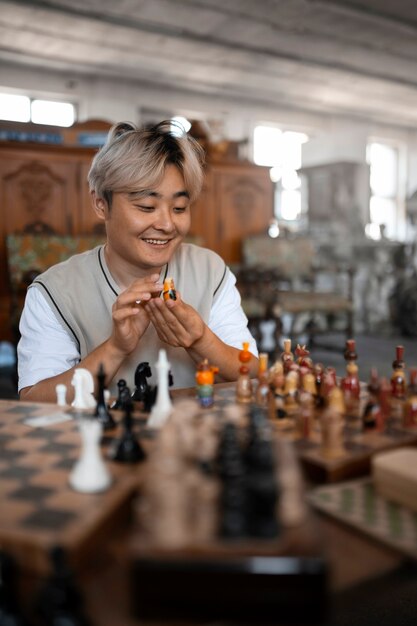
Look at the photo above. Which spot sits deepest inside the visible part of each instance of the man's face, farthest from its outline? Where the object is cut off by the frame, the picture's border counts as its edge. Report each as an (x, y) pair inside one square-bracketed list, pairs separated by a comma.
[(146, 228)]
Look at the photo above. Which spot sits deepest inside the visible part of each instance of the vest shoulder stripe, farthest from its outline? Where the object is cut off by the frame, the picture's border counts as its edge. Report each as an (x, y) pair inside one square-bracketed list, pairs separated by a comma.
[(104, 271), (221, 280), (38, 282)]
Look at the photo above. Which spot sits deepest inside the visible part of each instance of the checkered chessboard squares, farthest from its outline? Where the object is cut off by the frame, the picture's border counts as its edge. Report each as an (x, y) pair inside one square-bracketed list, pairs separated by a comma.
[(358, 504)]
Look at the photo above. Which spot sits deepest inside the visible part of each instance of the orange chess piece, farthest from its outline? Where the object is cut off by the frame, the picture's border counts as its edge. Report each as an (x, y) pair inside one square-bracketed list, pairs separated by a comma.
[(205, 381), (168, 291), (244, 390)]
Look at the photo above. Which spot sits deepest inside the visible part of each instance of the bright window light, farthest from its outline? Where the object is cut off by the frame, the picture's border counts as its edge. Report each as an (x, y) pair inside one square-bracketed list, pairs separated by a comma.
[(383, 160), (290, 205), (373, 231), (53, 113), (291, 147), (267, 146), (178, 123), (291, 180), (14, 108)]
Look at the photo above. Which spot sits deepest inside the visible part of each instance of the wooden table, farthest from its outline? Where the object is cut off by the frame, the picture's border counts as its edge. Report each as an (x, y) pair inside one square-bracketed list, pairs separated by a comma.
[(39, 511)]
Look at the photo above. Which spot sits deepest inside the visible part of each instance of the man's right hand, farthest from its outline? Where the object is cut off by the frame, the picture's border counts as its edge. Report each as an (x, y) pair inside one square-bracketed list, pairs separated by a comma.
[(130, 320)]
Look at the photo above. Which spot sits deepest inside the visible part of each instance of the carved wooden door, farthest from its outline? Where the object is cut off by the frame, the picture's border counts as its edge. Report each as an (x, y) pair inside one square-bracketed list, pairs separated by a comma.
[(237, 202)]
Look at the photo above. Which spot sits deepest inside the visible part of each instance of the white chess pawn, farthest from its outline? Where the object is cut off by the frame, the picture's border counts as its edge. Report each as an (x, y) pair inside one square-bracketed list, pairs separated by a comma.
[(162, 408), (90, 474), (83, 383), (61, 395)]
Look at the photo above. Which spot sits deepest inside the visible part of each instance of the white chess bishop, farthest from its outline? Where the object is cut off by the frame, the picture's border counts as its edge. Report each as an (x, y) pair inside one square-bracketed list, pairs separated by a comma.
[(90, 474), (162, 408)]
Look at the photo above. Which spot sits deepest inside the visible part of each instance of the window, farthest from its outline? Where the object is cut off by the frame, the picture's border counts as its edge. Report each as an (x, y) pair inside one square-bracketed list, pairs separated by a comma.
[(281, 150), (24, 109), (384, 208), (14, 108)]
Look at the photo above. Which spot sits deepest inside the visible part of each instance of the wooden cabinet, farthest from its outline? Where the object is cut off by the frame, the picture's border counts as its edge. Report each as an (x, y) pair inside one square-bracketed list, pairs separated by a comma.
[(237, 201), (44, 188)]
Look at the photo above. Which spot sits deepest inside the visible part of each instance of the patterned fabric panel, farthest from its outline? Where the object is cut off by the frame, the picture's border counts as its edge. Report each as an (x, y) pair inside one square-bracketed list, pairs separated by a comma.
[(39, 252), (291, 257)]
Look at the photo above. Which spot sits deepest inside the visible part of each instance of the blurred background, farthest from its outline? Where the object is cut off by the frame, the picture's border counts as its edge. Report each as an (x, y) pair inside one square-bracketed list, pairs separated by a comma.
[(307, 110)]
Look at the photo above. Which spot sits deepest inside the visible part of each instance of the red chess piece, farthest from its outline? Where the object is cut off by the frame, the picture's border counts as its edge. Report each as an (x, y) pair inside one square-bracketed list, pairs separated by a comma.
[(350, 383), (398, 362), (350, 351)]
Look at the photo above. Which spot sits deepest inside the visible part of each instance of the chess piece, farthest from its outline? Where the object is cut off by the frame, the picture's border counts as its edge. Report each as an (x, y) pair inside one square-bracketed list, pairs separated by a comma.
[(287, 356), (303, 357), (90, 474), (328, 382), (372, 415), (261, 489), (127, 449), (262, 394), (83, 383), (384, 398), (163, 406), (350, 351), (398, 390), (398, 362), (332, 426), (244, 391), (60, 601), (121, 390), (291, 393), (142, 387), (61, 395), (102, 413), (205, 380), (307, 396), (233, 492), (350, 386), (169, 292)]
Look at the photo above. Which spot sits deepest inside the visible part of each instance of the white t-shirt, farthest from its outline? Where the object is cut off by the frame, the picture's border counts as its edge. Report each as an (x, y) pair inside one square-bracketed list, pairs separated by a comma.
[(47, 349)]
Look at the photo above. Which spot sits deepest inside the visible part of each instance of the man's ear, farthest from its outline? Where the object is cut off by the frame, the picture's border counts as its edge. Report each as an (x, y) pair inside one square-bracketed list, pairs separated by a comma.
[(99, 206)]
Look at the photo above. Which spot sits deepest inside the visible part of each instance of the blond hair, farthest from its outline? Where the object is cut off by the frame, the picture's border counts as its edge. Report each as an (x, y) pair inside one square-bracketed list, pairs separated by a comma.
[(134, 159)]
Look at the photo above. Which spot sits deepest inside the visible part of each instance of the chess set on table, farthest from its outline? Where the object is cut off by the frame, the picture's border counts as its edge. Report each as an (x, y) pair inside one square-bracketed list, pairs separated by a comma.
[(220, 494)]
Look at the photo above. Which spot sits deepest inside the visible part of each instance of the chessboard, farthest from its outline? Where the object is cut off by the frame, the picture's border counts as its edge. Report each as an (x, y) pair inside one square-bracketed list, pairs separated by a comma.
[(39, 445), (358, 504), (221, 527), (360, 444)]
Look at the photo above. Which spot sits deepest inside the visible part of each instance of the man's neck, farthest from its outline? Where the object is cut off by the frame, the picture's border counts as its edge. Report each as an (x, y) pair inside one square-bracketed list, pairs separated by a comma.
[(123, 272)]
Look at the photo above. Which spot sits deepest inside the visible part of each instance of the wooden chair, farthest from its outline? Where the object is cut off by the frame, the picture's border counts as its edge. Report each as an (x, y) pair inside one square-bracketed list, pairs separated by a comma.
[(283, 279), (28, 255)]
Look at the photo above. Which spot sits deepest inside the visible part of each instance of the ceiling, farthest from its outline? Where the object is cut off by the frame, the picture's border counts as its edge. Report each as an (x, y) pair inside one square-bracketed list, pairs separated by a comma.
[(343, 58)]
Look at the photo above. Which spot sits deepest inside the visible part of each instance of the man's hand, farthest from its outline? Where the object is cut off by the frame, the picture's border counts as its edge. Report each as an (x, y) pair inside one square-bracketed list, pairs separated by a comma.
[(177, 323), (129, 313)]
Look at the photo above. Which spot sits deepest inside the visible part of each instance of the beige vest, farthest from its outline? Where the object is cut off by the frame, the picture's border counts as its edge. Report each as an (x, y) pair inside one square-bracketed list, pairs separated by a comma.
[(81, 292)]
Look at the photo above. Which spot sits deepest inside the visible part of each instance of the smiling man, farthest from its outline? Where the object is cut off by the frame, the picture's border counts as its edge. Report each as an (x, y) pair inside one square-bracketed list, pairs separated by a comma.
[(105, 306)]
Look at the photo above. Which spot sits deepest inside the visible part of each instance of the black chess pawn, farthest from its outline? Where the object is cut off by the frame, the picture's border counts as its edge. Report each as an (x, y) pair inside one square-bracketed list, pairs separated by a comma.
[(127, 449), (60, 601), (232, 473), (102, 413), (261, 489), (121, 391), (9, 611)]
